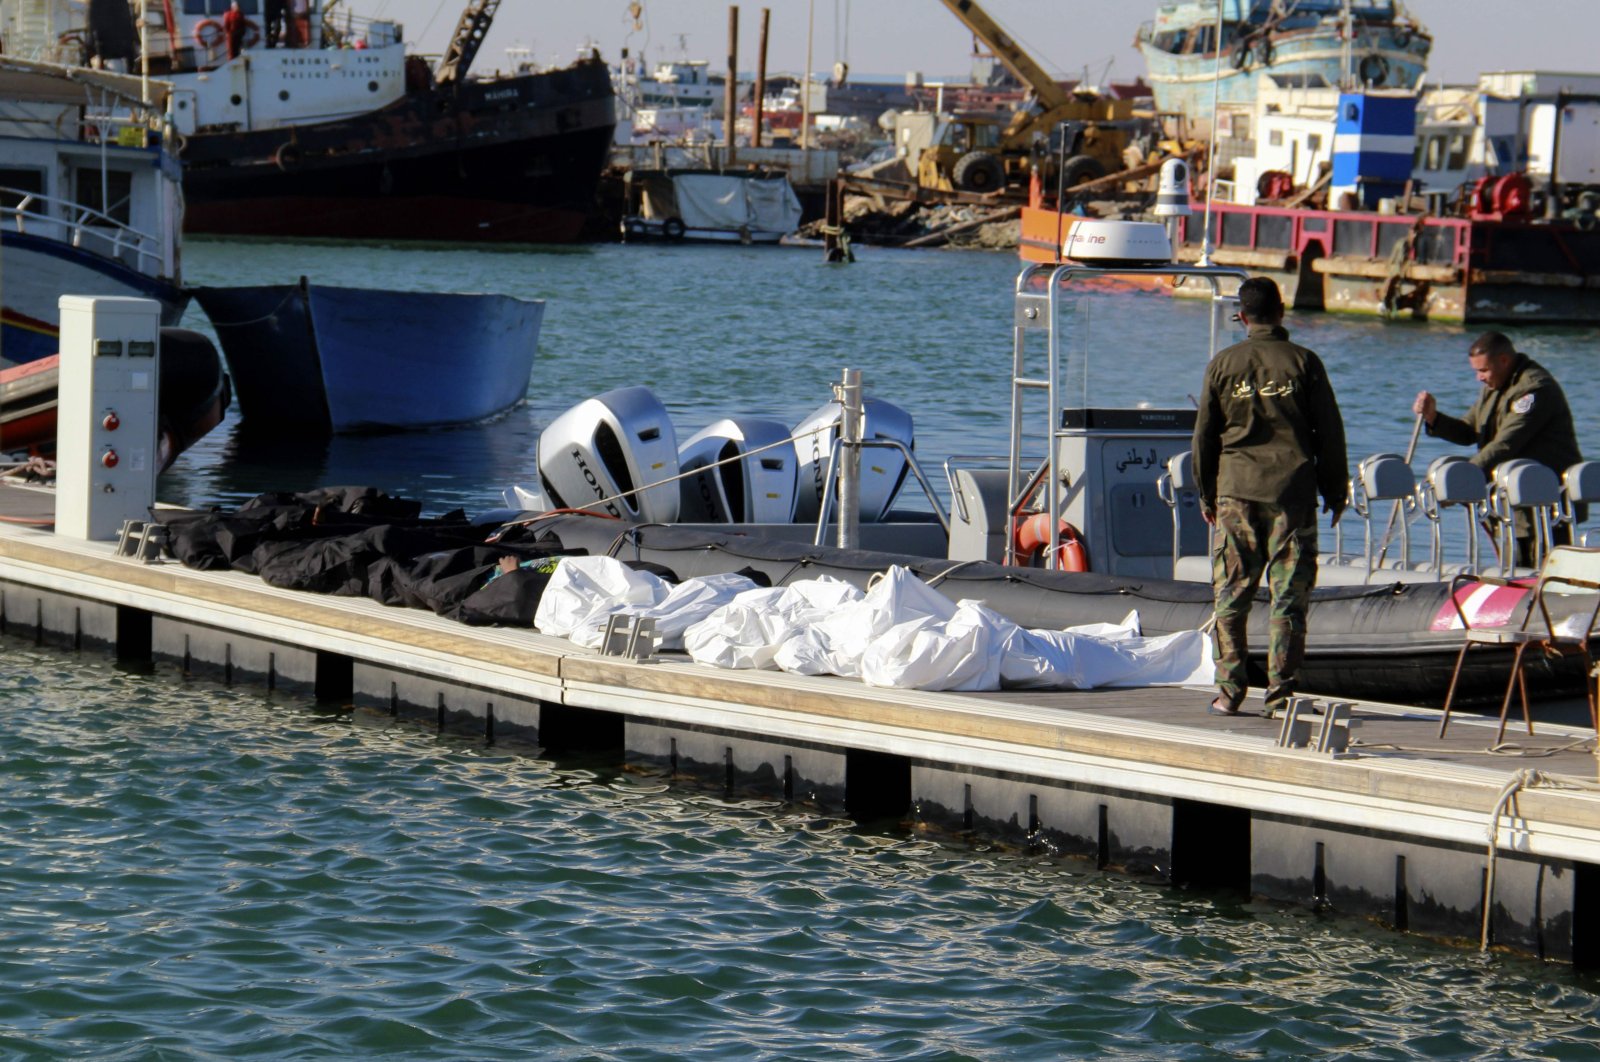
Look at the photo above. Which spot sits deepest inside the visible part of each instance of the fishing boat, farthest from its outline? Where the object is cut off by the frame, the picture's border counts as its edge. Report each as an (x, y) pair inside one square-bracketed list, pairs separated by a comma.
[(1307, 43), (193, 395), (89, 199), (334, 359), (328, 128), (710, 206), (1125, 536)]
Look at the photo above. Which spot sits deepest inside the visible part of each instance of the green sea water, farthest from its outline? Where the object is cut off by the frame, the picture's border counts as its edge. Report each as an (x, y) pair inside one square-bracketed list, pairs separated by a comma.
[(194, 871)]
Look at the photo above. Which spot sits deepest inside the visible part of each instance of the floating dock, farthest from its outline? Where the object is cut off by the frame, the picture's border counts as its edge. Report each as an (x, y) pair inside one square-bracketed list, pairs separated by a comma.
[(1395, 828)]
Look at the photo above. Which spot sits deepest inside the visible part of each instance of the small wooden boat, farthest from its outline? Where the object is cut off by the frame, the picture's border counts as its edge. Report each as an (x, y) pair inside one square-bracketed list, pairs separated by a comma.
[(334, 359)]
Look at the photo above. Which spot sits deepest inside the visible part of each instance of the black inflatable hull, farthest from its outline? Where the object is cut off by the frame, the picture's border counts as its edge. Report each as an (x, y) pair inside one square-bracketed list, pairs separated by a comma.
[(1374, 642)]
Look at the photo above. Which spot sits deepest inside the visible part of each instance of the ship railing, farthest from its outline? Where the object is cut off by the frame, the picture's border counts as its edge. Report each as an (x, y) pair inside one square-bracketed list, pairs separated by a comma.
[(83, 227)]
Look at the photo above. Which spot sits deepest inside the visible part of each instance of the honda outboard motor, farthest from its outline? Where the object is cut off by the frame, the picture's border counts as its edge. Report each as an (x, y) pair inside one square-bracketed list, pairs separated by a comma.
[(755, 488), (883, 470), (615, 449)]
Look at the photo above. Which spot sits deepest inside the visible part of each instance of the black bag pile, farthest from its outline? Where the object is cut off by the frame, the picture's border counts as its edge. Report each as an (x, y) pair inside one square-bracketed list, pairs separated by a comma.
[(359, 541)]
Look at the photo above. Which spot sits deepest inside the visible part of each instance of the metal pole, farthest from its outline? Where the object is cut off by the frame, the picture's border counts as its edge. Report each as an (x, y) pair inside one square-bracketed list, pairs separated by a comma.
[(730, 95), (850, 416), (1211, 151), (805, 78), (761, 80), (144, 52)]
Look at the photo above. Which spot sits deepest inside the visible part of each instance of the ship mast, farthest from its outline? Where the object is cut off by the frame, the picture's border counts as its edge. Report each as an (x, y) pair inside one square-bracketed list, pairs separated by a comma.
[(466, 41)]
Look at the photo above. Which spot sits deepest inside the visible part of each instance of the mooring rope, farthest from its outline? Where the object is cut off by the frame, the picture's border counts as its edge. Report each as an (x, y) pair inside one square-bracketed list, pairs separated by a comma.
[(1527, 778), (271, 314)]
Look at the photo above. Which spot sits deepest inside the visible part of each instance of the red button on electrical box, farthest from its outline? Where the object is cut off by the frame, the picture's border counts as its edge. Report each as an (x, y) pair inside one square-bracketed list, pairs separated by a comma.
[(109, 459), (111, 421)]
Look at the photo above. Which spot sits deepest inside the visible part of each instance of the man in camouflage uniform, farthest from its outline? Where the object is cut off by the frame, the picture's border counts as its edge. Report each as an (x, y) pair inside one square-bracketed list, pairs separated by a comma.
[(1267, 440), (1521, 412)]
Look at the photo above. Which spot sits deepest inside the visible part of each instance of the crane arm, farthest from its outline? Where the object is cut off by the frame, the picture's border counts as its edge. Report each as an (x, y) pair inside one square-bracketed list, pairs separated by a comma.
[(468, 38), (1049, 94)]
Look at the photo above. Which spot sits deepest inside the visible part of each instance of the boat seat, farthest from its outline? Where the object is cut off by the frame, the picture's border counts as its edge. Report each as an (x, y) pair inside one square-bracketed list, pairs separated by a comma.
[(1531, 487), (1191, 536), (1566, 571), (1580, 486), (1381, 478), (1453, 482)]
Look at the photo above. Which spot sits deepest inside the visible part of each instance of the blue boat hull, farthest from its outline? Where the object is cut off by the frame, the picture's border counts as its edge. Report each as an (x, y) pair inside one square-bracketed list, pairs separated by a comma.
[(357, 359)]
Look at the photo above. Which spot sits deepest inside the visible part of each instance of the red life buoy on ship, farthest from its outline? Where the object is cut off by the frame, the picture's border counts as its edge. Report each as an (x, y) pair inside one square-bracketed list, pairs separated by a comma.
[(208, 33), (1033, 534)]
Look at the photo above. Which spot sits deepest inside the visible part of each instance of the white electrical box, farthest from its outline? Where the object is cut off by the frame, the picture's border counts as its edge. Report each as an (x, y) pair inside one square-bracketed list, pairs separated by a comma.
[(106, 414)]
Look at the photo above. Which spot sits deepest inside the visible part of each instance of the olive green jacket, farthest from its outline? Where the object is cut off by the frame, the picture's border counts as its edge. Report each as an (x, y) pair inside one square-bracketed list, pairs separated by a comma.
[(1528, 417), (1269, 428)]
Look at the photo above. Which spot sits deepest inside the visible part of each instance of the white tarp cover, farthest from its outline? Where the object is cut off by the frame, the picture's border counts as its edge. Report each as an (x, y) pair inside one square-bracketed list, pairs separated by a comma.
[(732, 202), (900, 634), (584, 592)]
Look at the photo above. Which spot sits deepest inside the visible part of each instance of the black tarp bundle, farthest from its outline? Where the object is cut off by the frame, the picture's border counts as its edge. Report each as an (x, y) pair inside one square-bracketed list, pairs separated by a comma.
[(358, 541)]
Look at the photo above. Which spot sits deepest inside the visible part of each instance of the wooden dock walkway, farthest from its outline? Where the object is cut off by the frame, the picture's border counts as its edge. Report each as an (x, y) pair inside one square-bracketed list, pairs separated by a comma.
[(1144, 779)]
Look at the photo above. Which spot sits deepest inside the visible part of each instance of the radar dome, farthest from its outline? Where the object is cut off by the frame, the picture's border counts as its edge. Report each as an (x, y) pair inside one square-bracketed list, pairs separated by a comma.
[(1099, 242)]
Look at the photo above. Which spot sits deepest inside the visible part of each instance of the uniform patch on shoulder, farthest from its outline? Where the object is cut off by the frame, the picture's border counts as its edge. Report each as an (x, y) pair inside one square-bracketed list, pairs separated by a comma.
[(1523, 404)]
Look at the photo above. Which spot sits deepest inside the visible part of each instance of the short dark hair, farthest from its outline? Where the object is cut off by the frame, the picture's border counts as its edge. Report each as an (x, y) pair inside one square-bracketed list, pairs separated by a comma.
[(1494, 344), (1260, 300)]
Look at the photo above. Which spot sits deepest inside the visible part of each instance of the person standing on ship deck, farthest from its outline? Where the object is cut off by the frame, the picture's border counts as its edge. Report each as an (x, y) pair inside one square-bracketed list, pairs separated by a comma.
[(276, 10), (233, 27), (1268, 438), (1521, 412)]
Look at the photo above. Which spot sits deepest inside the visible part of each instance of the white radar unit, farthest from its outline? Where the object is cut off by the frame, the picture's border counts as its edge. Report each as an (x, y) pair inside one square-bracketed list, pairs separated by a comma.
[(1098, 242)]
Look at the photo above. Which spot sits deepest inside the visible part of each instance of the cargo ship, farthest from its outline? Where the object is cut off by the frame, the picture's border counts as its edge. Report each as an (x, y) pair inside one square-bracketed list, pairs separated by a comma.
[(323, 126)]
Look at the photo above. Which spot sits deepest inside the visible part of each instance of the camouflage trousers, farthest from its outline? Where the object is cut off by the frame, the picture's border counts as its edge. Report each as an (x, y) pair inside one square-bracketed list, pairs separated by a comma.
[(1256, 539)]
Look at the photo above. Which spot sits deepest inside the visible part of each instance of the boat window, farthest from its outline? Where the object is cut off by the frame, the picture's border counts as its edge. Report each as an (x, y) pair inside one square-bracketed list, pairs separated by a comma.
[(1458, 152), (1416, 153), (1275, 138), (1437, 244), (1352, 237), (17, 184), (1235, 229), (118, 198), (1435, 152), (1273, 230), (1389, 234)]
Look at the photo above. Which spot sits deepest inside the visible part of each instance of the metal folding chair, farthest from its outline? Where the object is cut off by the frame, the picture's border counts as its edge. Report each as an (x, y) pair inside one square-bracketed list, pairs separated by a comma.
[(1567, 570)]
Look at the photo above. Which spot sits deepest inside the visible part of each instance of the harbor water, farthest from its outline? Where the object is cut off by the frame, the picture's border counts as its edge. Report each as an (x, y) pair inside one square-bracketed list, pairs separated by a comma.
[(197, 871)]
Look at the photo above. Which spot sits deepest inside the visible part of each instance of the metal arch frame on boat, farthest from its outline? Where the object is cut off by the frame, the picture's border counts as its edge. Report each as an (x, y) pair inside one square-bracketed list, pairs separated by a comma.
[(1025, 319)]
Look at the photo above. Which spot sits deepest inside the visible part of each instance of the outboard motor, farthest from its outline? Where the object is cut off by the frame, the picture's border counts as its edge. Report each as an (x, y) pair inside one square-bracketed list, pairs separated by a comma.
[(616, 449), (755, 488), (883, 469)]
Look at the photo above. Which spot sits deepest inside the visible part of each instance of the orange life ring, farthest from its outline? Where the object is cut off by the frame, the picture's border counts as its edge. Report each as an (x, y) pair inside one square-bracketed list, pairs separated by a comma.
[(208, 33), (1033, 534)]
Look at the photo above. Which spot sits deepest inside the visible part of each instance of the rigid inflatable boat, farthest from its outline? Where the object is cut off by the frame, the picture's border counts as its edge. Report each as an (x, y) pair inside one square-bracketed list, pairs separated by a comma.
[(1106, 523)]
